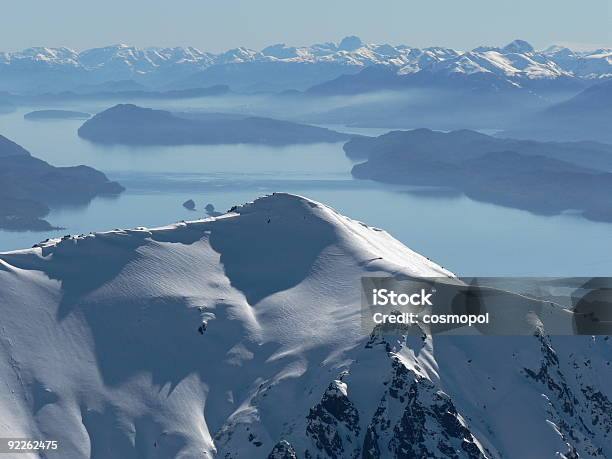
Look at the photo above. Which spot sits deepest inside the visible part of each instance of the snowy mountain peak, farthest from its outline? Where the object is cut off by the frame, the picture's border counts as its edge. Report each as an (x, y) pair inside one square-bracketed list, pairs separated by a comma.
[(519, 47), (280, 51), (240, 337), (278, 203), (282, 222), (558, 50)]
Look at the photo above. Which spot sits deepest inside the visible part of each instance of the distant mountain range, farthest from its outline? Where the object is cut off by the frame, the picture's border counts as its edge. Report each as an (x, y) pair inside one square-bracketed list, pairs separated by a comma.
[(587, 115), (280, 67)]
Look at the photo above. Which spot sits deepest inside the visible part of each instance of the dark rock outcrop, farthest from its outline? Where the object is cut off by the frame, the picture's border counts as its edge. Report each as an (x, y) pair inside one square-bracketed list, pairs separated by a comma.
[(333, 424), (282, 450), (189, 204), (415, 419)]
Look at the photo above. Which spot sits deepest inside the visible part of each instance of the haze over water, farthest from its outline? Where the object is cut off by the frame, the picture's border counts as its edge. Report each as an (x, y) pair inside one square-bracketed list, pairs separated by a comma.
[(468, 237)]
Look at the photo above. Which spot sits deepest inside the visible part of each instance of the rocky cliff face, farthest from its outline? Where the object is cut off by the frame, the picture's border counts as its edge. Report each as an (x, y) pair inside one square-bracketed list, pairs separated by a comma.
[(413, 417)]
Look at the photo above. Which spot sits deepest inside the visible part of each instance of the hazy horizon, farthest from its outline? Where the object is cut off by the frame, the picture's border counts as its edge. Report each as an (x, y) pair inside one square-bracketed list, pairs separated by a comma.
[(216, 27), (571, 45)]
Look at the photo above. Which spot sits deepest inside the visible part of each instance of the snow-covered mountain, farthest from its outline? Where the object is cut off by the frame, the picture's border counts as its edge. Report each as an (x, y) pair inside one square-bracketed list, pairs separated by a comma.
[(47, 69), (240, 337)]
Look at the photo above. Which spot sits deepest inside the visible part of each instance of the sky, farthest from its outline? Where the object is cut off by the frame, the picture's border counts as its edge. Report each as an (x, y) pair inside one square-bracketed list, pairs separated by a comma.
[(218, 25)]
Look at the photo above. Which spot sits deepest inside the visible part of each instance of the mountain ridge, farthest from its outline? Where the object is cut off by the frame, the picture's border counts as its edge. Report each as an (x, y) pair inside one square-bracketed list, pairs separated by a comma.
[(262, 313), (584, 116), (178, 67)]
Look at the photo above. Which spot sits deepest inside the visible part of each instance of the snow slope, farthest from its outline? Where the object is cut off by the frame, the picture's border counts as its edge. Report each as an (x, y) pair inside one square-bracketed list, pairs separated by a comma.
[(239, 337)]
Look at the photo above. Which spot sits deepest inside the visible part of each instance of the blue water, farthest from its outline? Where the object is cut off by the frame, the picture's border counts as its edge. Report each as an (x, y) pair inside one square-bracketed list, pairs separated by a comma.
[(467, 237)]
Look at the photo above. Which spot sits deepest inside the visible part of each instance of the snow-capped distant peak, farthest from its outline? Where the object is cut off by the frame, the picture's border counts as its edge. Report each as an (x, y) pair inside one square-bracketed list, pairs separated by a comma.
[(162, 66), (557, 49), (519, 47)]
